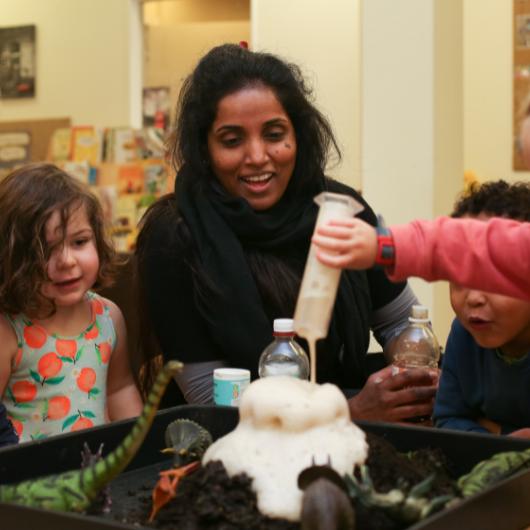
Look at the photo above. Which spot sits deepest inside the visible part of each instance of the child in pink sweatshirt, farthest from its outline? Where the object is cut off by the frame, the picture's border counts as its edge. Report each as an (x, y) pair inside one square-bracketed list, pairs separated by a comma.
[(485, 380), (486, 367)]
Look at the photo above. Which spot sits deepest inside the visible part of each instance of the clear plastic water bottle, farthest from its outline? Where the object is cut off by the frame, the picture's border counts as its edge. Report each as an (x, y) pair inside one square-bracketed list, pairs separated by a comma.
[(284, 356), (416, 346)]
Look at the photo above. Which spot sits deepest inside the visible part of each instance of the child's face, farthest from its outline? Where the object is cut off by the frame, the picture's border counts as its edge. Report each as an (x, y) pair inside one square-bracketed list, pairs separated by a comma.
[(73, 265), (494, 320)]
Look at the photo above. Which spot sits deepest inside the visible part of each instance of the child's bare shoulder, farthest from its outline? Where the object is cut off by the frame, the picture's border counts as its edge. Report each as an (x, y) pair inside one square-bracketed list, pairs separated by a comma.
[(114, 310)]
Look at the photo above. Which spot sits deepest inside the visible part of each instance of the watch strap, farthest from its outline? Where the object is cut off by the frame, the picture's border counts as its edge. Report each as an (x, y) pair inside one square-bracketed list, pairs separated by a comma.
[(386, 250)]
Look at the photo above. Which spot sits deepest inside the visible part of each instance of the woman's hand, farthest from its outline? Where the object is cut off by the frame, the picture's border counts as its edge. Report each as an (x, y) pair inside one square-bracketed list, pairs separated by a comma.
[(386, 397), (346, 244)]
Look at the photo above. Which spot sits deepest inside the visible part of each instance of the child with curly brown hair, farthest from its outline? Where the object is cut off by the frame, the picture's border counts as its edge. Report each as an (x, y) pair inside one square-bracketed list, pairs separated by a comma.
[(485, 381), (63, 361)]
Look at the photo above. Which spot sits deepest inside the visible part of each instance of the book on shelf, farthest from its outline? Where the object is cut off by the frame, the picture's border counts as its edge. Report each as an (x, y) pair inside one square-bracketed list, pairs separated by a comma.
[(61, 145), (150, 143), (155, 176), (108, 198), (121, 145), (87, 144), (79, 170), (125, 225), (131, 179)]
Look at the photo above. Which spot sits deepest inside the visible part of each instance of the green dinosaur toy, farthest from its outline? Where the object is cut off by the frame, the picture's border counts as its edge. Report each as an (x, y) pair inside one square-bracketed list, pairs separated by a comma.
[(493, 470), (76, 489)]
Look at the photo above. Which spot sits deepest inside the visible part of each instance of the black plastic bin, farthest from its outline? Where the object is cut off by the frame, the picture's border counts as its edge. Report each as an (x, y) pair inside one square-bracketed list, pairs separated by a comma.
[(506, 505)]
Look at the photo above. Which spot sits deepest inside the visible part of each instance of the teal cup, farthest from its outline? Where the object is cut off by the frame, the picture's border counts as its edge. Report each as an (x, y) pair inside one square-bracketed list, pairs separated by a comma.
[(229, 384)]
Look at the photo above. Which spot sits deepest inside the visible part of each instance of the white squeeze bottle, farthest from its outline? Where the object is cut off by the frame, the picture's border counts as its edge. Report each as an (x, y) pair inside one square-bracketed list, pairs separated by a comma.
[(320, 282), (284, 356), (416, 346)]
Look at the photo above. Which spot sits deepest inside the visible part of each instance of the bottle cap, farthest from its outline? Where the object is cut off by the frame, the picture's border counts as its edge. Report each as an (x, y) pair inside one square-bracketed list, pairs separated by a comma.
[(420, 313), (283, 325)]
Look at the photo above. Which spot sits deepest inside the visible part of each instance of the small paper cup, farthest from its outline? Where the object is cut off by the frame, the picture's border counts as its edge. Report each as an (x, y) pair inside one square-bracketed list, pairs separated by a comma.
[(229, 384)]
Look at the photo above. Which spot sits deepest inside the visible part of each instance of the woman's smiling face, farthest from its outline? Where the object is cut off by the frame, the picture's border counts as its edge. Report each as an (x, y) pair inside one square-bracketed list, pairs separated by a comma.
[(252, 146)]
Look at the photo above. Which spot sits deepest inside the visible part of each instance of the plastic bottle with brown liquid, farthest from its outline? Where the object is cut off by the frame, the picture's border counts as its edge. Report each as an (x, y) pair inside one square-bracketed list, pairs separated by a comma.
[(416, 347)]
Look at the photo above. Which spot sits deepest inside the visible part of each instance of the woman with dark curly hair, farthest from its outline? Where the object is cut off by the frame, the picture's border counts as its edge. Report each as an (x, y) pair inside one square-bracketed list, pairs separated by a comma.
[(223, 256), (63, 363)]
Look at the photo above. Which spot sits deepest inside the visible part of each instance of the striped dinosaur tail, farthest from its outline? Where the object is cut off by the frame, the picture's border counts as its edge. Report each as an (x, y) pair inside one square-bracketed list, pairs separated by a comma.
[(75, 490), (95, 477)]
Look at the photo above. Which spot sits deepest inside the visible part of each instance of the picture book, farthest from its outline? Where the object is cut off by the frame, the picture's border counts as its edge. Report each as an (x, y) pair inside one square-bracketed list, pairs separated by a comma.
[(130, 178), (86, 144), (60, 145), (122, 147)]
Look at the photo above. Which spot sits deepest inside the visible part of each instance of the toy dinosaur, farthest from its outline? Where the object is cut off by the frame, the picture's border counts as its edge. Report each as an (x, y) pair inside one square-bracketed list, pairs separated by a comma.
[(166, 487), (402, 506), (76, 489), (187, 441), (493, 470)]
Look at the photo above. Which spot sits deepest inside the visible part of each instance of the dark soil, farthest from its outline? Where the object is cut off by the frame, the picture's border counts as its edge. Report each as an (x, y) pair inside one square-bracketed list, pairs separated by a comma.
[(210, 500), (390, 469)]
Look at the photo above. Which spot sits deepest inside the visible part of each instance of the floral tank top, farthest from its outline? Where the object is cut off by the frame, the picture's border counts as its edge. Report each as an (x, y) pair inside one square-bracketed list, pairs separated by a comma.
[(59, 384)]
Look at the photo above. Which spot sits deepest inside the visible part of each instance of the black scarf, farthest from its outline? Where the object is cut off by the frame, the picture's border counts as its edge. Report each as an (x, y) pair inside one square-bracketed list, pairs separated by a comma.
[(222, 227)]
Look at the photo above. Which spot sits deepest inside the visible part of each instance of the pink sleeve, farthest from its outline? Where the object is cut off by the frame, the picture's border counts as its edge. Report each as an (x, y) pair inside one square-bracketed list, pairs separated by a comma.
[(491, 256)]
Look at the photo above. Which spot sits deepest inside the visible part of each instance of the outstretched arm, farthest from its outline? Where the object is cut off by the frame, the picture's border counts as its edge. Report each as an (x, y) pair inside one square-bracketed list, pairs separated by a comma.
[(493, 255)]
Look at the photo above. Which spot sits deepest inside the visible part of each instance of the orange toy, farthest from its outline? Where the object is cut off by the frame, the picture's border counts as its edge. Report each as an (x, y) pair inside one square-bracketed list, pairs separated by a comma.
[(166, 487)]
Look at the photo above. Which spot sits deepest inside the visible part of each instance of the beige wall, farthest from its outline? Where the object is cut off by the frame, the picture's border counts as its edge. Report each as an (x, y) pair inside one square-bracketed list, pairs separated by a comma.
[(412, 124), (488, 90), (448, 133), (179, 32), (322, 37), (83, 60)]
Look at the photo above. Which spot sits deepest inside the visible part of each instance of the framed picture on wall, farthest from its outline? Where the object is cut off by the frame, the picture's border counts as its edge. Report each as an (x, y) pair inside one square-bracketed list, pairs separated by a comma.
[(521, 76), (17, 62), (155, 107)]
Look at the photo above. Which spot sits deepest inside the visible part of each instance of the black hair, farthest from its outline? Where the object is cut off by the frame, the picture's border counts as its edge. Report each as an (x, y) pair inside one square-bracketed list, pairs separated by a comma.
[(228, 68), (496, 199)]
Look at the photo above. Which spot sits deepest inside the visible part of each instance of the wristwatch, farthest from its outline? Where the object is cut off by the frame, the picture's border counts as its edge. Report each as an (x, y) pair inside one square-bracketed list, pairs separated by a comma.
[(386, 250)]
